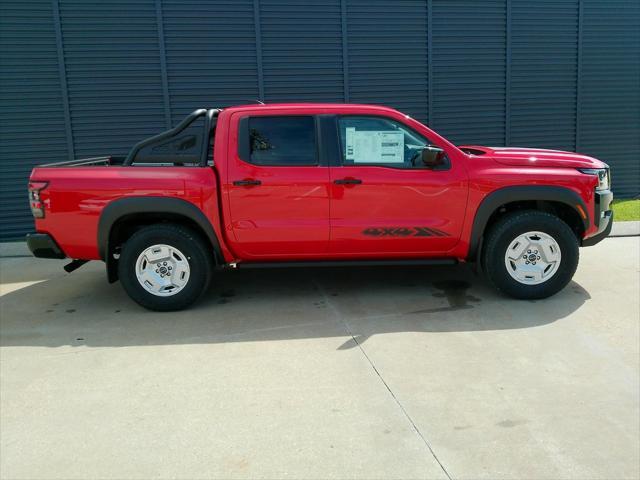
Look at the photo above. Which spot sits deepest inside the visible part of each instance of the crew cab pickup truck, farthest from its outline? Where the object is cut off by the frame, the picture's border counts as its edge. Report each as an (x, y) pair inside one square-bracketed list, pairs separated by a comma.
[(312, 185)]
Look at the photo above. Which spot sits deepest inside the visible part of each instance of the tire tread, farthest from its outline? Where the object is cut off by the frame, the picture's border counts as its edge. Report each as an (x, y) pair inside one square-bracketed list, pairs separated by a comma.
[(201, 269)]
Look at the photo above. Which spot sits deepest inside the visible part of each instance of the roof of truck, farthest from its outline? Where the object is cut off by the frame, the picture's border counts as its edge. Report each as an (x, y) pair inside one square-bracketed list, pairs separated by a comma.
[(316, 106)]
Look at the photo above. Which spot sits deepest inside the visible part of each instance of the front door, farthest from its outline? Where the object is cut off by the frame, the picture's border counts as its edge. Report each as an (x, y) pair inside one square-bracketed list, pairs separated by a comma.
[(385, 201), (278, 191)]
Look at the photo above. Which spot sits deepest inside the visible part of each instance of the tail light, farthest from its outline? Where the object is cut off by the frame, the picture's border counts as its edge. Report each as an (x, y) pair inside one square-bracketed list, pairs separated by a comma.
[(37, 205)]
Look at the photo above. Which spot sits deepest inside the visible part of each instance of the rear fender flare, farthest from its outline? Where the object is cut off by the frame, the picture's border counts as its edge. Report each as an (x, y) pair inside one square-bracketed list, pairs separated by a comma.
[(118, 209), (505, 195)]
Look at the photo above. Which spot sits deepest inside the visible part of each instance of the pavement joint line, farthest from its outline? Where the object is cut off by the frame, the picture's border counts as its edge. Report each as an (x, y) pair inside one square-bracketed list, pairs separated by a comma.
[(396, 400)]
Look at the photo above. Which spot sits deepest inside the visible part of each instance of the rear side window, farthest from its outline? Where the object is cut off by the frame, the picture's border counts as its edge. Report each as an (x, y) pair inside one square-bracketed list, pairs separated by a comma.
[(183, 149), (282, 141)]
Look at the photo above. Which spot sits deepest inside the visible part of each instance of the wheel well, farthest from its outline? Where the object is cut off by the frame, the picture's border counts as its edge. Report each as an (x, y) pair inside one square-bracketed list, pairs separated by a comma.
[(564, 212), (127, 225)]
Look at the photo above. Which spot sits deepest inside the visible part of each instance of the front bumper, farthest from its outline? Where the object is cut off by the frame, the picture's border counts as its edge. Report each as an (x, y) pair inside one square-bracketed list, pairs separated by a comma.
[(42, 245), (603, 218)]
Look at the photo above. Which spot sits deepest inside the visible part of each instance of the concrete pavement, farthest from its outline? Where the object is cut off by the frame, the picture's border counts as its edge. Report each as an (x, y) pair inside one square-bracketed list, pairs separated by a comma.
[(625, 229), (356, 373)]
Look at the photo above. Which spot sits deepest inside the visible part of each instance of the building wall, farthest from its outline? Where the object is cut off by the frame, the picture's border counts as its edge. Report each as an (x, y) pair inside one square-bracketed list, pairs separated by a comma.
[(82, 78)]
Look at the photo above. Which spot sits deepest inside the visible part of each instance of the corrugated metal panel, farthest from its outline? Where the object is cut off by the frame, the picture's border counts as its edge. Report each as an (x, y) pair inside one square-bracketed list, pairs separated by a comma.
[(387, 54), (469, 70), (113, 73), (609, 126), (543, 73), (302, 50), (556, 74), (32, 127), (211, 54)]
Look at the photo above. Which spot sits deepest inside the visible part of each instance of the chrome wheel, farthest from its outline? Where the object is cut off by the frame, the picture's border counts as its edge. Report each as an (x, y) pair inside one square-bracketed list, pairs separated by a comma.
[(533, 258), (162, 270)]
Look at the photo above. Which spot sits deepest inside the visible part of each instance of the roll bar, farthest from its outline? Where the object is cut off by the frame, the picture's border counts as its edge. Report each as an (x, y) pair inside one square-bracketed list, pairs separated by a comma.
[(210, 117)]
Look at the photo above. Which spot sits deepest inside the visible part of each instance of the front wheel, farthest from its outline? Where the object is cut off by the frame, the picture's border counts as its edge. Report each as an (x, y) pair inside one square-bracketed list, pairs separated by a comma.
[(165, 267), (530, 254)]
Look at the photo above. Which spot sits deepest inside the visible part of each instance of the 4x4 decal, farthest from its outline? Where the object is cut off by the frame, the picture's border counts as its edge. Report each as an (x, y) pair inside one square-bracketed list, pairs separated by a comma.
[(404, 232)]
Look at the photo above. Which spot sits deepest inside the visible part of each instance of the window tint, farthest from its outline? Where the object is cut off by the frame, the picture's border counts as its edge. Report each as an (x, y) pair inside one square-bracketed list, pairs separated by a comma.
[(286, 141), (379, 141), (184, 148)]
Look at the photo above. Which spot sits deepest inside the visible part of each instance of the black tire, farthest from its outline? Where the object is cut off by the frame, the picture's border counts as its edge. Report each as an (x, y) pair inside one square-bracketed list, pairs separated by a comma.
[(199, 257), (503, 232)]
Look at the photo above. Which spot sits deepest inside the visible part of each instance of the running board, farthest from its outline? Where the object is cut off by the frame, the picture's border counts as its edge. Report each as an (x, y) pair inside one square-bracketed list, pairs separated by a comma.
[(348, 263)]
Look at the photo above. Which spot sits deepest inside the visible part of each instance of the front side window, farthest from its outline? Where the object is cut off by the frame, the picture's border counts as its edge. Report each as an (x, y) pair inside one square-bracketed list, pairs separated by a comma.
[(282, 141), (380, 142)]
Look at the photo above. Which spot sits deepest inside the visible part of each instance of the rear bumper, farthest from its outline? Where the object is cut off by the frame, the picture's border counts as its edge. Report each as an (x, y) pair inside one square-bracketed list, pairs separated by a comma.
[(603, 218), (42, 245)]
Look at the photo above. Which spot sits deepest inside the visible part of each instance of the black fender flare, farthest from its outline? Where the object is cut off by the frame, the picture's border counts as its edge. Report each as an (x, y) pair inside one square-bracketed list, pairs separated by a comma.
[(122, 207), (502, 196)]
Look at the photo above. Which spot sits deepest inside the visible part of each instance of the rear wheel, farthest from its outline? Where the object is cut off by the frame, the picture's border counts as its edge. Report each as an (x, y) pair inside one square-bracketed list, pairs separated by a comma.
[(530, 254), (165, 267)]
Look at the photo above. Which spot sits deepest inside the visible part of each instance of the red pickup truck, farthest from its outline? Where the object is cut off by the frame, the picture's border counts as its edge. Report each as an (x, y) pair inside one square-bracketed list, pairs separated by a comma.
[(317, 184)]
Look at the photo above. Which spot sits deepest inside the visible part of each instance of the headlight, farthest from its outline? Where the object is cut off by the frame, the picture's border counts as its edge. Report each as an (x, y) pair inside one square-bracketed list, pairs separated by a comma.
[(604, 177)]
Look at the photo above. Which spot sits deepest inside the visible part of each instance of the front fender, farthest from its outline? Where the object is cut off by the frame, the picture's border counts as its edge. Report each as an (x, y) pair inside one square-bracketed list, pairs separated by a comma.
[(505, 195)]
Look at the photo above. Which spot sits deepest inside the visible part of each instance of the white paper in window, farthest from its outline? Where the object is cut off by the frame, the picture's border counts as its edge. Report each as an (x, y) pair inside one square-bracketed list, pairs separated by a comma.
[(374, 146), (391, 147), (350, 143)]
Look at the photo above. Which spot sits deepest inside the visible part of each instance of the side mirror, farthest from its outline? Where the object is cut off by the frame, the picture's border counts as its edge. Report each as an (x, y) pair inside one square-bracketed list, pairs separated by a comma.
[(433, 157)]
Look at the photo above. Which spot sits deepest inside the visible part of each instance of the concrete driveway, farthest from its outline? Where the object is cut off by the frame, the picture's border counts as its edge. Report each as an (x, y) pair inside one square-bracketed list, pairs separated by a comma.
[(339, 373)]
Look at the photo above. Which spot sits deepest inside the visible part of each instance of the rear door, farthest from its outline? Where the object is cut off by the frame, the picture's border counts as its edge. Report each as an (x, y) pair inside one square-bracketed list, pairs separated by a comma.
[(278, 190), (385, 202)]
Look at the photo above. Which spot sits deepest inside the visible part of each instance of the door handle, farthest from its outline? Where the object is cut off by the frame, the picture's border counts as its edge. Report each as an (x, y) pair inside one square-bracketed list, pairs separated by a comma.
[(348, 181), (249, 182)]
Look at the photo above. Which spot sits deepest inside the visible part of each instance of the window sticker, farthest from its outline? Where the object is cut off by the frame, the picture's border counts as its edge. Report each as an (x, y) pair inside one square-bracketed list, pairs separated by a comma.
[(378, 146)]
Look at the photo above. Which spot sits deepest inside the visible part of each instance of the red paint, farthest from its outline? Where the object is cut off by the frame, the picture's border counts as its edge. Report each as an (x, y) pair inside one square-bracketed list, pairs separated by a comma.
[(298, 212), (287, 215)]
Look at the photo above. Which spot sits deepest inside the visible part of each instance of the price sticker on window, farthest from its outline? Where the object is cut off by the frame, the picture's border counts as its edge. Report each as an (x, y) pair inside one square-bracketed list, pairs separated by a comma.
[(377, 146)]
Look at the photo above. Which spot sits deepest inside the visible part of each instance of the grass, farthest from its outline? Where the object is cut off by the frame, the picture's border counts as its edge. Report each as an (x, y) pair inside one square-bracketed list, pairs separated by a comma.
[(626, 210)]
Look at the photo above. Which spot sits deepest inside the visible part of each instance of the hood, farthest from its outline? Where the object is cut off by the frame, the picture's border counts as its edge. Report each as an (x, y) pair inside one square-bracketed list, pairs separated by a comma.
[(534, 157)]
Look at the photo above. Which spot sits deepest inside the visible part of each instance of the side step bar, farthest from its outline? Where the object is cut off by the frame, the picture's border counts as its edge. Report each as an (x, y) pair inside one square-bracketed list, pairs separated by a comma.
[(348, 263)]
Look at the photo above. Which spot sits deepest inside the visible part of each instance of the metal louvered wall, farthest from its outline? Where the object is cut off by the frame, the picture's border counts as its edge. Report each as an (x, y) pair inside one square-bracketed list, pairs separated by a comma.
[(32, 113), (301, 50), (468, 71), (386, 51), (87, 77), (608, 115), (544, 54)]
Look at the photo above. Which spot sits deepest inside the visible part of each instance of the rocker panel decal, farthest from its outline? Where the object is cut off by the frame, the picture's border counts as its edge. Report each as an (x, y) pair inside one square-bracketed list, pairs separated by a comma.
[(403, 232)]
